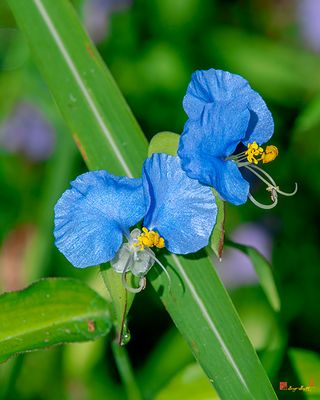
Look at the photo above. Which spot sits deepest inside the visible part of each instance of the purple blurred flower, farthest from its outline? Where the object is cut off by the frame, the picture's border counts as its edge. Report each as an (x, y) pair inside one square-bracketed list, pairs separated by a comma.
[(236, 269), (28, 132), (96, 13), (309, 21)]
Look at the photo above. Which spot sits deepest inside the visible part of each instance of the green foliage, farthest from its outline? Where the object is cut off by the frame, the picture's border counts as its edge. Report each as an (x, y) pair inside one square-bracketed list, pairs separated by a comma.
[(109, 138), (151, 49), (205, 315), (290, 79), (49, 312), (170, 355), (90, 101)]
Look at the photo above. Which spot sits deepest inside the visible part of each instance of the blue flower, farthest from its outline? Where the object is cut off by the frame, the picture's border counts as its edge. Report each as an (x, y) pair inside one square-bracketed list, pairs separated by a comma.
[(224, 111), (93, 217)]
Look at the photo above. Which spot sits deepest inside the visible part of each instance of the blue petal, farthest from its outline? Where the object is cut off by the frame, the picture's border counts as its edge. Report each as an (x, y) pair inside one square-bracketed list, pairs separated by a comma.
[(215, 86), (223, 175), (179, 208), (218, 131), (261, 125), (229, 182), (92, 216)]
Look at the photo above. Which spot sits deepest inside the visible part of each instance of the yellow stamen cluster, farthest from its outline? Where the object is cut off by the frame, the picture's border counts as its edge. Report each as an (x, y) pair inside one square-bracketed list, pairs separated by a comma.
[(266, 156), (254, 150), (149, 239)]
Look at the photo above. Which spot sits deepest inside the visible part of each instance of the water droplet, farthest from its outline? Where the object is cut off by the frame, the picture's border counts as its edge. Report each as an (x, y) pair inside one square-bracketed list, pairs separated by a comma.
[(125, 337)]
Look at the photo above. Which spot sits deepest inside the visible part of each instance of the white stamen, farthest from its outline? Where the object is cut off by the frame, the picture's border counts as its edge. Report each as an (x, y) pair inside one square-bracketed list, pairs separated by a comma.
[(289, 194), (142, 281), (265, 206)]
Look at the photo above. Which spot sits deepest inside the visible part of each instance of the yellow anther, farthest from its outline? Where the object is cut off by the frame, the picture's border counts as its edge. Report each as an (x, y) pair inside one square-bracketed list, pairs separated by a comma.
[(149, 239), (253, 151), (161, 243), (270, 154)]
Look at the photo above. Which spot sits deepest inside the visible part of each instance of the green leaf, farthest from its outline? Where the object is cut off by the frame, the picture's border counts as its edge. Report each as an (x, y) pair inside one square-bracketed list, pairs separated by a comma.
[(164, 142), (49, 312), (109, 137), (84, 90), (203, 312), (189, 384), (263, 270), (217, 236)]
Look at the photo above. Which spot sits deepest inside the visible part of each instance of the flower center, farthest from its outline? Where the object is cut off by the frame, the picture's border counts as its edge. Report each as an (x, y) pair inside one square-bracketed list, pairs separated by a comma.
[(254, 151), (266, 156), (149, 239), (135, 256), (249, 159), (254, 154)]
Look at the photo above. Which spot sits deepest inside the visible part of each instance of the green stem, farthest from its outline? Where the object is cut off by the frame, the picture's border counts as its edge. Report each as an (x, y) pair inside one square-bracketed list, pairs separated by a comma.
[(125, 370)]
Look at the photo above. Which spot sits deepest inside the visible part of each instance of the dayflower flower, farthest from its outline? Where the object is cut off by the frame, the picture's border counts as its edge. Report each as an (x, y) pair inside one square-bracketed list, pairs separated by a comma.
[(224, 113), (93, 217)]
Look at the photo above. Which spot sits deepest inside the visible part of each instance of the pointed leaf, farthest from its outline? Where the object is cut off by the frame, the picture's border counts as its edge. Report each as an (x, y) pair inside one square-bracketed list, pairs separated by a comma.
[(51, 311)]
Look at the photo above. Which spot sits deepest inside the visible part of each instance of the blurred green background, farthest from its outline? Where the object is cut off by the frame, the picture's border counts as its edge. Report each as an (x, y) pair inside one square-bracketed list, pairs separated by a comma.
[(152, 47)]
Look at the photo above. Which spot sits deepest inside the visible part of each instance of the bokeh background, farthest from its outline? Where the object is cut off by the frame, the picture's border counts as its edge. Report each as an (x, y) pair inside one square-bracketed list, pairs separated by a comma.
[(152, 47)]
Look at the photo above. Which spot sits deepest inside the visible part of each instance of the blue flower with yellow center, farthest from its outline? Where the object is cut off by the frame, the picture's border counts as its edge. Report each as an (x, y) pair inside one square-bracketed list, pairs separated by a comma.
[(225, 112), (95, 215)]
